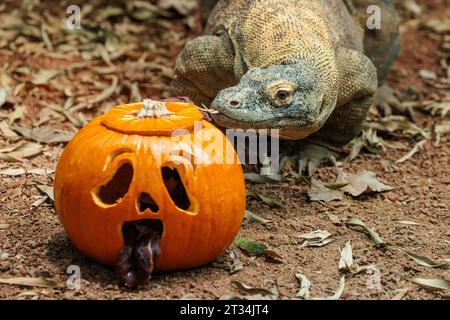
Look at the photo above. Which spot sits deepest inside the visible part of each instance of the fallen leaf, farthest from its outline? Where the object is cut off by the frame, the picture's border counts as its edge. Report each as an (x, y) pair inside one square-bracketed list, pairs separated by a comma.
[(399, 123), (318, 238), (17, 114), (47, 190), (409, 155), (335, 219), (4, 226), (424, 261), (338, 293), (237, 262), (250, 290), (274, 256), (369, 141), (183, 7), (363, 182), (438, 26), (4, 92), (254, 217), (13, 172), (6, 130), (305, 285), (269, 201), (433, 284), (320, 192), (105, 94), (257, 178), (411, 223), (43, 76), (249, 246), (21, 151), (21, 171), (346, 260), (376, 239), (30, 282), (45, 135), (426, 74), (401, 294), (412, 6), (38, 202)]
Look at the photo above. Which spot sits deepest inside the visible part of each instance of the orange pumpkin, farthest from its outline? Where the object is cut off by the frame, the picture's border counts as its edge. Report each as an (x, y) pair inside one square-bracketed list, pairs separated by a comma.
[(151, 162)]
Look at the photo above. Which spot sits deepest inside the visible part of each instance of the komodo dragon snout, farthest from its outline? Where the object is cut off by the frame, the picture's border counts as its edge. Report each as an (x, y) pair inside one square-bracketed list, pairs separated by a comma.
[(289, 97)]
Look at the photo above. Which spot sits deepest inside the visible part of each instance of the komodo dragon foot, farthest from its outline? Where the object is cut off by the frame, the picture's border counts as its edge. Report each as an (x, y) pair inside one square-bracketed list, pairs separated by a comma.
[(308, 156), (388, 104)]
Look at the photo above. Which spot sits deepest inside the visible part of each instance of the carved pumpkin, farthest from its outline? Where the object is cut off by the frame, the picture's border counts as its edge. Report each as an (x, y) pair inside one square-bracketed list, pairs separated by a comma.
[(123, 189)]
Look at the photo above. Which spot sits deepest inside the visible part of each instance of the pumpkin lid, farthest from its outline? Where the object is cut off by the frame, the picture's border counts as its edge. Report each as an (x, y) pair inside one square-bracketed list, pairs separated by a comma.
[(152, 117)]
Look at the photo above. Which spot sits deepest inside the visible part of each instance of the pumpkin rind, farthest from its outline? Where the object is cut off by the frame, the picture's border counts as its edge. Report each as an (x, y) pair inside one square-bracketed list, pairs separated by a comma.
[(191, 237)]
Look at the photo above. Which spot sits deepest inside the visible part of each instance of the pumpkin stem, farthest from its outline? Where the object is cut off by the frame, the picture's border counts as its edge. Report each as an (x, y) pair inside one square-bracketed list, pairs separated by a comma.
[(154, 109)]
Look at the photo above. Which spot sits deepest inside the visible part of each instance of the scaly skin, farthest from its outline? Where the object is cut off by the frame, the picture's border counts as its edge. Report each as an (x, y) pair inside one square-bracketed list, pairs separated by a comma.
[(307, 68)]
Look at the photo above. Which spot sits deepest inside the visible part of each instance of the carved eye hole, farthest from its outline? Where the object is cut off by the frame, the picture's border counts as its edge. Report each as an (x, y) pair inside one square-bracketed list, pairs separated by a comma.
[(175, 188), (116, 188)]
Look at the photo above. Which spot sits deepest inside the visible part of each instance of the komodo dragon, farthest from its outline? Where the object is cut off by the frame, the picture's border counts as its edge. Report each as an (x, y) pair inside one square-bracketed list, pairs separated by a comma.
[(310, 68)]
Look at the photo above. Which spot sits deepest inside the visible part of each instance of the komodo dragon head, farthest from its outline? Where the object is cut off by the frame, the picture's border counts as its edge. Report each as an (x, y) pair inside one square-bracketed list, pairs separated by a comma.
[(290, 97)]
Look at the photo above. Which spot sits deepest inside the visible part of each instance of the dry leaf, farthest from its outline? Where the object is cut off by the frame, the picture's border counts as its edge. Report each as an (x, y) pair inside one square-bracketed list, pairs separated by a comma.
[(376, 239), (363, 182), (254, 217), (249, 246), (45, 135), (237, 262), (433, 284), (43, 76), (250, 290), (6, 130), (305, 285), (105, 94), (346, 260), (411, 223), (257, 178), (317, 238), (17, 114), (47, 190), (417, 148), (269, 201), (424, 261), (4, 92), (369, 141), (30, 282), (4, 226), (401, 294), (320, 192), (21, 171)]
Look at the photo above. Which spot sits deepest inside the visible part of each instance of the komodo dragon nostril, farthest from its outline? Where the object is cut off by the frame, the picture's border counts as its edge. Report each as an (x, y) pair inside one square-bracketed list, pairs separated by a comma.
[(234, 103)]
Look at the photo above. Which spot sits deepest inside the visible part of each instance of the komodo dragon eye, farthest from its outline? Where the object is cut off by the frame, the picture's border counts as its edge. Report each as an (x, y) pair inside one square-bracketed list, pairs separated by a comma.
[(281, 92), (283, 95)]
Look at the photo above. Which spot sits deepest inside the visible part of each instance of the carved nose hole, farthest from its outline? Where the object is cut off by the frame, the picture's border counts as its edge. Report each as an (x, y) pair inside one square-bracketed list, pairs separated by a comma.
[(145, 202)]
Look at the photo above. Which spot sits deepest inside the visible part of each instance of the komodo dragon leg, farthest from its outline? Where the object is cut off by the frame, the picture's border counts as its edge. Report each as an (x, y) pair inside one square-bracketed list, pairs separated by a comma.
[(382, 47), (204, 67), (206, 6), (358, 85)]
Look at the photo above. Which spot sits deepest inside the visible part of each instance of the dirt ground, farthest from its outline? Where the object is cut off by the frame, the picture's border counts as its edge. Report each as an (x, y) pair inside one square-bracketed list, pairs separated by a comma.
[(120, 57)]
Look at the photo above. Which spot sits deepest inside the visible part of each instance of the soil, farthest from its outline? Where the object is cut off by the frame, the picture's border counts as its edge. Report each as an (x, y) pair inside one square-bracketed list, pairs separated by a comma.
[(33, 242)]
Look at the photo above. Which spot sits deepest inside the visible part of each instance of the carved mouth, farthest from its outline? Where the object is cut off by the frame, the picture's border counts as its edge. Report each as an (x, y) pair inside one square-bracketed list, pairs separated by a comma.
[(140, 251)]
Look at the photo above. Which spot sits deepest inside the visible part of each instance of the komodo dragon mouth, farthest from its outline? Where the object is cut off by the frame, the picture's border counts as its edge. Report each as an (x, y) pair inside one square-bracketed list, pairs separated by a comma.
[(140, 251)]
